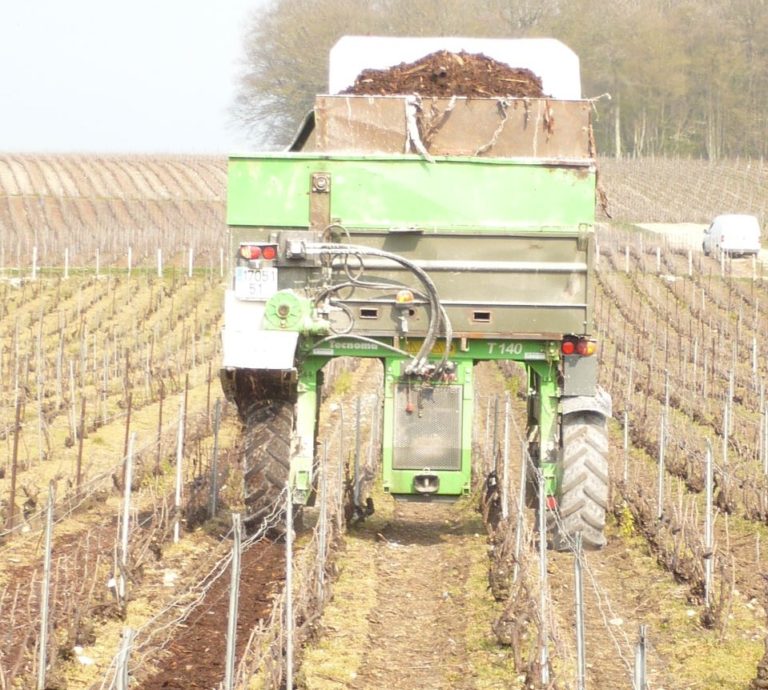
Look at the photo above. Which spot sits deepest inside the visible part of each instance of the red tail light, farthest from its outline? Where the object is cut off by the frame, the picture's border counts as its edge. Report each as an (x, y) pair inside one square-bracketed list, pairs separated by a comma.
[(578, 346), (253, 252)]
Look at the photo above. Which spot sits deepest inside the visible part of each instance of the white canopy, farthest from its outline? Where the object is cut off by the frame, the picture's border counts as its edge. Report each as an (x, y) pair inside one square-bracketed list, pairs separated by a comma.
[(554, 62)]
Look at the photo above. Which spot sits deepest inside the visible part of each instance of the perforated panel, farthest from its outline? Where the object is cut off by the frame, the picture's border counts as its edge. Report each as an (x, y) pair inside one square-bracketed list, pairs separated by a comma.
[(429, 437)]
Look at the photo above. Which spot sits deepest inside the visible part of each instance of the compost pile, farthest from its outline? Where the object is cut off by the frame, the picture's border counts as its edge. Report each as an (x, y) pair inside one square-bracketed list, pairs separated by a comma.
[(449, 74)]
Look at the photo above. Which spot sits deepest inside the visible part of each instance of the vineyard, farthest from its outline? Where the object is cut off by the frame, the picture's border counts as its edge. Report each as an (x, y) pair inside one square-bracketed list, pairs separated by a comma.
[(95, 208), (679, 190), (121, 468)]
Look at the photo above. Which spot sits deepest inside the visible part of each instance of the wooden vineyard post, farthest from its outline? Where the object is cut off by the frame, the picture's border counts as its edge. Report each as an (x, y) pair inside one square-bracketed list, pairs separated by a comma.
[(14, 463), (215, 458), (127, 424), (79, 468), (186, 398), (505, 464), (356, 476), (45, 592), (726, 424), (340, 479), (208, 398), (626, 447), (72, 404), (159, 454), (322, 526), (708, 555), (179, 457), (765, 440), (494, 438), (662, 445), (487, 430), (520, 509)]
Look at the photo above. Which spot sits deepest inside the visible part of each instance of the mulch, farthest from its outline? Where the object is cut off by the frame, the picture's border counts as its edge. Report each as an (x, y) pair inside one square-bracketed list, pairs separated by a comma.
[(450, 74), (196, 658)]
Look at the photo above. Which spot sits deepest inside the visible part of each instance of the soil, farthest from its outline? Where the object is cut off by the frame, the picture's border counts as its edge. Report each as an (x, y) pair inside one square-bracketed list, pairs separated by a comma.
[(204, 636), (72, 558), (450, 74)]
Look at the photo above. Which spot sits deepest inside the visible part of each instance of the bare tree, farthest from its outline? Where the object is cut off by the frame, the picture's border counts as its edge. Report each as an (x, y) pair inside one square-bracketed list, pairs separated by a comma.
[(287, 45), (686, 77)]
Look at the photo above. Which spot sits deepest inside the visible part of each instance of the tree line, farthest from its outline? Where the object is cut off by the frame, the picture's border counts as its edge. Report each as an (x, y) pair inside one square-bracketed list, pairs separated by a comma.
[(685, 77)]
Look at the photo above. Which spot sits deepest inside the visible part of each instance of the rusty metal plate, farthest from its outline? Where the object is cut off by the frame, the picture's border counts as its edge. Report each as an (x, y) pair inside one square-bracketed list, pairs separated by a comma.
[(492, 127)]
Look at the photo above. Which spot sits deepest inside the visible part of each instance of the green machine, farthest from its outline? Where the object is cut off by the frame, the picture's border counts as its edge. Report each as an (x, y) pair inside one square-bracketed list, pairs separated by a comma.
[(475, 245)]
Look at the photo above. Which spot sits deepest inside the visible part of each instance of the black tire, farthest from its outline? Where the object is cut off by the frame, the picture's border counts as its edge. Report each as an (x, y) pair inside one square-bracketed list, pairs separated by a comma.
[(267, 460), (583, 498)]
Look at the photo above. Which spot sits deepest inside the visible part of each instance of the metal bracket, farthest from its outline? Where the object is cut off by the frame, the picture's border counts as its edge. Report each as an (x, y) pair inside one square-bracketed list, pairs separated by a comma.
[(582, 241), (320, 201)]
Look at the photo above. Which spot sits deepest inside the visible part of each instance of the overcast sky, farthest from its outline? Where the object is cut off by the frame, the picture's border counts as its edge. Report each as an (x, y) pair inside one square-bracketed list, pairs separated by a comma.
[(129, 76)]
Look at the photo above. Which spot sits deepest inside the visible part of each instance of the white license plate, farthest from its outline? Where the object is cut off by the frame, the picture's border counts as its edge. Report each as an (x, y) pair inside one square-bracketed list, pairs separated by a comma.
[(255, 283)]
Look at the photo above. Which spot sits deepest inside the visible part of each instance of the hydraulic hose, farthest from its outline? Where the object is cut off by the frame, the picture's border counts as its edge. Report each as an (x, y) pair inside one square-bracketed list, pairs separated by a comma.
[(437, 313)]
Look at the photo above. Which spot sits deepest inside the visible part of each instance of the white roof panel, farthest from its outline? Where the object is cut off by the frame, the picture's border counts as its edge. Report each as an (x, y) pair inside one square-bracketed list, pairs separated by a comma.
[(552, 61)]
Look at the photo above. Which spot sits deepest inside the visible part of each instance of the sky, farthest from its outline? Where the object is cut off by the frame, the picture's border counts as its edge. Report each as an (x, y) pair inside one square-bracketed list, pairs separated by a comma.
[(120, 76)]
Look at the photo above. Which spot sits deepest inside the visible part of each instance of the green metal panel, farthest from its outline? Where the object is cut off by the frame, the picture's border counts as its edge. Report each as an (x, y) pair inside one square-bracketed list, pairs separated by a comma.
[(306, 411), (542, 377), (452, 482), (400, 191), (471, 349)]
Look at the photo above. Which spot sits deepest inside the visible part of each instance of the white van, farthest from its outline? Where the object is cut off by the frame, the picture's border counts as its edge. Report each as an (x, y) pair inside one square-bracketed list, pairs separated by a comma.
[(733, 234)]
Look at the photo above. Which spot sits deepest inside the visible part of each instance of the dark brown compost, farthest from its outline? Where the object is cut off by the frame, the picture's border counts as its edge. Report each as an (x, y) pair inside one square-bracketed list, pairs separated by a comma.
[(449, 74)]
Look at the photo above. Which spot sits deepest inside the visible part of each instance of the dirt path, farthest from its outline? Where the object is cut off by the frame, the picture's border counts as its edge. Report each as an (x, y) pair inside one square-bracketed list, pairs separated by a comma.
[(417, 636), (411, 609)]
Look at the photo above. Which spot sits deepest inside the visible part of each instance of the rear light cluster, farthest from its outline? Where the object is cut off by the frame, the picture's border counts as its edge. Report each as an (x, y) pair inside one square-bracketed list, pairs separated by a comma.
[(253, 252), (578, 346)]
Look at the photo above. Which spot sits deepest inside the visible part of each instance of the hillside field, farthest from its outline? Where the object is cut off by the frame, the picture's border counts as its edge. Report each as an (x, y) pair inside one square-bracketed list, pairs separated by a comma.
[(99, 365)]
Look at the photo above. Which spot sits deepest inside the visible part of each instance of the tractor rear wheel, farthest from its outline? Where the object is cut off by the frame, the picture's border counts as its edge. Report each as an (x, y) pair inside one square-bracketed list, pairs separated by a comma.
[(583, 496), (267, 461)]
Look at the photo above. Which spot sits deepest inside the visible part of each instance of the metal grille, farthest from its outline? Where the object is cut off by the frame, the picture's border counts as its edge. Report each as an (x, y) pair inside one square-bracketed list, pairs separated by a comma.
[(429, 437)]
